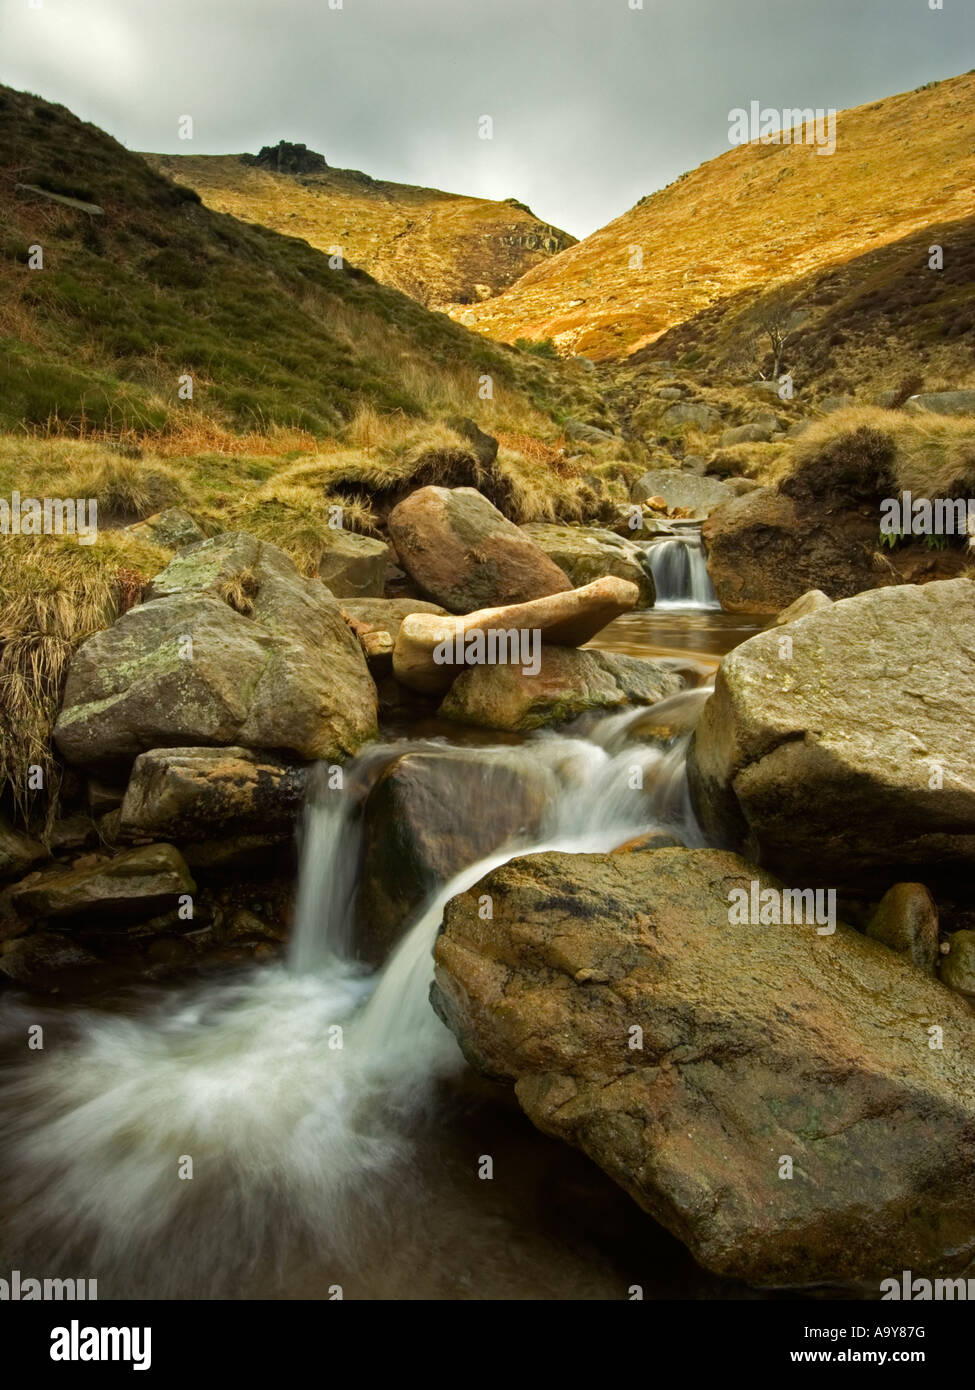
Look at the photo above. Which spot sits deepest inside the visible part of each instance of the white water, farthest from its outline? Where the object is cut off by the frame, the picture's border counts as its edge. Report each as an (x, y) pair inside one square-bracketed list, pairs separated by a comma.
[(680, 572), (292, 1137)]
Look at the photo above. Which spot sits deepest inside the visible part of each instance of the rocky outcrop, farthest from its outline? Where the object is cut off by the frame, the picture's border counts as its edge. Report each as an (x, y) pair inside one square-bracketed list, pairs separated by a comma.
[(586, 553), (139, 884), (353, 566), (287, 157), (430, 815), (742, 1083), (464, 554), (420, 658), (848, 755), (232, 647), (568, 683)]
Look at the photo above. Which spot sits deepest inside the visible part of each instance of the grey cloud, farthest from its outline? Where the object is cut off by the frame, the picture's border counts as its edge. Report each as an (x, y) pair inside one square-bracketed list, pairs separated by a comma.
[(594, 104)]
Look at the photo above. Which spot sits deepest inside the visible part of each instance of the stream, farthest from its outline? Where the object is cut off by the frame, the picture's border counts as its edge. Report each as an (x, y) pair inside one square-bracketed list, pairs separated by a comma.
[(334, 1131)]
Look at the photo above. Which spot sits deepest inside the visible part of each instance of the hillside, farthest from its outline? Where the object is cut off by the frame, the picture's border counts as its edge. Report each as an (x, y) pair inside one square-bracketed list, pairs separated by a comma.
[(757, 216), (882, 322), (438, 247), (151, 286)]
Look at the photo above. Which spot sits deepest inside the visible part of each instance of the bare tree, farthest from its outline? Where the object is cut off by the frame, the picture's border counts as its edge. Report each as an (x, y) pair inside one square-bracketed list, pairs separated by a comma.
[(773, 326)]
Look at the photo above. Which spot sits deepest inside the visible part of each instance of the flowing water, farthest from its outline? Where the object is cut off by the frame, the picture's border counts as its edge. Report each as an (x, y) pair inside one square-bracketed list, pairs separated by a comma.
[(332, 1127), (680, 571)]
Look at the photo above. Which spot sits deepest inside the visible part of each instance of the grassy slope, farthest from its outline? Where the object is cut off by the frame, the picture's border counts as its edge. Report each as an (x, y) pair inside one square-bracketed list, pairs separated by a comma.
[(161, 285), (756, 216), (434, 246)]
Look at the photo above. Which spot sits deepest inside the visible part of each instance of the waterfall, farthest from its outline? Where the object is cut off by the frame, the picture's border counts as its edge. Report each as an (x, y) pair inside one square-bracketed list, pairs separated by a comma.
[(297, 1090), (680, 571)]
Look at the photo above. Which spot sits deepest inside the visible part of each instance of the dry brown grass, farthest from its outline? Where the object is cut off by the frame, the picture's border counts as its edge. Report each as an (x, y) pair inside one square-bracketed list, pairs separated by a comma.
[(930, 455), (755, 216), (53, 594)]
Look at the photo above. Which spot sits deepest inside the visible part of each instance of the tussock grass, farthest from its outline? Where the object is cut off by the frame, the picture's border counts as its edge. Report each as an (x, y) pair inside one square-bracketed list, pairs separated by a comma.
[(868, 452), (53, 594)]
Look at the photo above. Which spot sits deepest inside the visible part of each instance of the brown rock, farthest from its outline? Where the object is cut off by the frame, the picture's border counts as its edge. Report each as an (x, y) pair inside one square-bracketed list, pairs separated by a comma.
[(463, 553), (689, 1058)]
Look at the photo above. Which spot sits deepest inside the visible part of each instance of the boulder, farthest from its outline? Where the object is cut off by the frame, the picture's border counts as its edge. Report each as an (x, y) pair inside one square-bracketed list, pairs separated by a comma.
[(587, 434), (185, 794), (172, 528), (690, 1058), (702, 417), (133, 885), (942, 403), (745, 434), (430, 815), (681, 489), (586, 553), (462, 553), (765, 550), (850, 759), (569, 683), (958, 966), (19, 853), (353, 566), (906, 920), (565, 619), (187, 669)]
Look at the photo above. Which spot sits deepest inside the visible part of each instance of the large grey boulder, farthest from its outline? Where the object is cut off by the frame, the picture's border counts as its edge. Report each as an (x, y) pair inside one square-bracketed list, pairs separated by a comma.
[(463, 553), (278, 670), (586, 553), (767, 1093), (847, 750)]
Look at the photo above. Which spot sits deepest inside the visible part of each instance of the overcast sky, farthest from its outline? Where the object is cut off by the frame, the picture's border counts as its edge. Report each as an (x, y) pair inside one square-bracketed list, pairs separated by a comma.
[(594, 104)]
